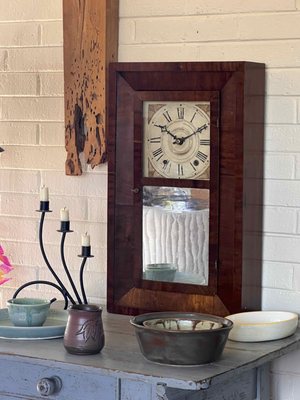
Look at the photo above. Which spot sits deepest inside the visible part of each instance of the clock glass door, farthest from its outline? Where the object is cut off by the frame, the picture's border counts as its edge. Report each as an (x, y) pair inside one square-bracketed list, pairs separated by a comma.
[(179, 188), (176, 234)]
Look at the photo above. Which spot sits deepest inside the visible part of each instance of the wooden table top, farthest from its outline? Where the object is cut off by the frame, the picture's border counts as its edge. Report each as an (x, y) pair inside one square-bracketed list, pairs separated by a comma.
[(121, 357)]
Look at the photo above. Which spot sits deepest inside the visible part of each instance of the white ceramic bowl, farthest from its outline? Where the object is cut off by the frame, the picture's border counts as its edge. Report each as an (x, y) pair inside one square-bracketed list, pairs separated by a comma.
[(260, 326)]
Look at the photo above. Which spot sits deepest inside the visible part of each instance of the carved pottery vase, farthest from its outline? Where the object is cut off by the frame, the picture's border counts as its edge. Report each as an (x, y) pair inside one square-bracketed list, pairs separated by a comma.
[(84, 331)]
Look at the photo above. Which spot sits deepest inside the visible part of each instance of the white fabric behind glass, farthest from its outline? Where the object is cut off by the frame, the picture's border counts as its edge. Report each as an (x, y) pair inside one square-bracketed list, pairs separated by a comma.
[(177, 237)]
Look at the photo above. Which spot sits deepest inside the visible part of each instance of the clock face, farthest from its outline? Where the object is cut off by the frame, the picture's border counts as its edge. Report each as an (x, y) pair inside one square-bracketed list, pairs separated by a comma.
[(176, 139)]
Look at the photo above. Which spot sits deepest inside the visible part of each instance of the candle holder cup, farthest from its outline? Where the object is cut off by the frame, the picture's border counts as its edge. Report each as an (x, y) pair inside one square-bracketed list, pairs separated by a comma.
[(44, 206), (85, 251), (65, 227)]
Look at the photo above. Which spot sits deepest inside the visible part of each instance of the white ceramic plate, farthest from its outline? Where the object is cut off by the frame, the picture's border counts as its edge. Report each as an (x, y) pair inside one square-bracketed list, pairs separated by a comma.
[(53, 328), (260, 326)]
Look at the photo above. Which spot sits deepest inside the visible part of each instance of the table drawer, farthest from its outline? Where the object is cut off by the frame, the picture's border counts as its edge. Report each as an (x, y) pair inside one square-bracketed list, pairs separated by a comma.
[(21, 378)]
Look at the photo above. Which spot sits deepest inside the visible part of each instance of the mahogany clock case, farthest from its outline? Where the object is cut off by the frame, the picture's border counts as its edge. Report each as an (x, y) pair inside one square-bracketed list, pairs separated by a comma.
[(235, 91)]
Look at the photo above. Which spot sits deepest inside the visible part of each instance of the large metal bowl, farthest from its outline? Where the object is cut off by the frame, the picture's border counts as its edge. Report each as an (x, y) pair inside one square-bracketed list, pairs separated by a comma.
[(177, 338)]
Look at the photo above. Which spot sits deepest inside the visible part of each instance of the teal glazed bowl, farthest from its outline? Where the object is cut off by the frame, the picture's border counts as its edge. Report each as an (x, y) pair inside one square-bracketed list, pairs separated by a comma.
[(27, 311), (160, 272)]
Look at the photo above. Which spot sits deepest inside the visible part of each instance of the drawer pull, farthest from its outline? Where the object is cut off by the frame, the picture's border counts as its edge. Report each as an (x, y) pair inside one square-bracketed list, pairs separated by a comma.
[(49, 386)]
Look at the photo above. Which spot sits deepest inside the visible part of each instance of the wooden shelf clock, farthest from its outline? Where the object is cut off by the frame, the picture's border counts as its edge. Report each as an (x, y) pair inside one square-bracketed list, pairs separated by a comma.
[(179, 162)]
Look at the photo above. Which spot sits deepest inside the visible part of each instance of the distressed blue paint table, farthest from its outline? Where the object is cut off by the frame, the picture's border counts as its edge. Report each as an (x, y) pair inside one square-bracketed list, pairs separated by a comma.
[(34, 369)]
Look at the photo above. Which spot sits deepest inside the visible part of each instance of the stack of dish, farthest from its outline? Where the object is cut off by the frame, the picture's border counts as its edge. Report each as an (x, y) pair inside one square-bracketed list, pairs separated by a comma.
[(31, 319)]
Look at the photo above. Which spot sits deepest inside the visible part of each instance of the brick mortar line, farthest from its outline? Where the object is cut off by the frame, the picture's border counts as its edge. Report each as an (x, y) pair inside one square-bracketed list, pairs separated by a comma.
[(209, 42), (29, 96), (221, 15), (33, 46), (29, 21), (44, 71)]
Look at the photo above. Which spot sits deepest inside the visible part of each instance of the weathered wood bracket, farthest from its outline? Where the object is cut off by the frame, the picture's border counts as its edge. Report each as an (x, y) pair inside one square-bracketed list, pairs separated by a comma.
[(90, 43)]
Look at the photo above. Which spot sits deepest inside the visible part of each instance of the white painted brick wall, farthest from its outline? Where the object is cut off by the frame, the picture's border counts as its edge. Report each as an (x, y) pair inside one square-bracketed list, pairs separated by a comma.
[(32, 133), (31, 130), (262, 31)]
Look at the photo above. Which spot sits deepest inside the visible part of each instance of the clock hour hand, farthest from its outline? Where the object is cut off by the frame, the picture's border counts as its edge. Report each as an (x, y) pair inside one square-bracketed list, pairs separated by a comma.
[(199, 130), (163, 128)]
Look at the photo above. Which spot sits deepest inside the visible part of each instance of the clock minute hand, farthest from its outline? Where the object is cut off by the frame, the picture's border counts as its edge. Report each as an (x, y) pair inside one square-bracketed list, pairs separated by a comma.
[(199, 130)]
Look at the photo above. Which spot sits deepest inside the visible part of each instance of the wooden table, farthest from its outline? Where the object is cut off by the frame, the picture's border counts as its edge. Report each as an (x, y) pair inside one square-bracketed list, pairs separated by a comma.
[(120, 372)]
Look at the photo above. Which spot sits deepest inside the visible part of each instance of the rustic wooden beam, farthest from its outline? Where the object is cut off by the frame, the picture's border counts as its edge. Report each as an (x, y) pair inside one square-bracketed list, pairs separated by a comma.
[(90, 42)]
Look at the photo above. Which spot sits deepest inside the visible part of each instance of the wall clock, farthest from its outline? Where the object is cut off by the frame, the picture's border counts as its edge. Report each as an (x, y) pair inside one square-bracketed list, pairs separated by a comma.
[(178, 136)]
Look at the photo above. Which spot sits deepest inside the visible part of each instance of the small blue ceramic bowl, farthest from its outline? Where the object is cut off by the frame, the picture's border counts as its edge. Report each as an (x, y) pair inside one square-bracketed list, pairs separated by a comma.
[(27, 311)]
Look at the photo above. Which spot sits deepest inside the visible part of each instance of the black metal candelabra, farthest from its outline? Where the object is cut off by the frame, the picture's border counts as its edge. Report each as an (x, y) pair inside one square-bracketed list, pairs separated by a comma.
[(85, 254)]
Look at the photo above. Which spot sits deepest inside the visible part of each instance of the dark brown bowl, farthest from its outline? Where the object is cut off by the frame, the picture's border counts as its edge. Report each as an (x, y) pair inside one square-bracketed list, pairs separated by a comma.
[(181, 347)]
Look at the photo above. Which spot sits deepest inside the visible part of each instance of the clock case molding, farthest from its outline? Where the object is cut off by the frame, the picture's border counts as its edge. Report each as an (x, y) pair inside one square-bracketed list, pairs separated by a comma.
[(237, 90)]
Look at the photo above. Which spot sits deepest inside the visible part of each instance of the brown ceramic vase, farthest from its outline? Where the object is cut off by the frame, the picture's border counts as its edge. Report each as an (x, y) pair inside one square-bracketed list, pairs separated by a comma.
[(84, 331)]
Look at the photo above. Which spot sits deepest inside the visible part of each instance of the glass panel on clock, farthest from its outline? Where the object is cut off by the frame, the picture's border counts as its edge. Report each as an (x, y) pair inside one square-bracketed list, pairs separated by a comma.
[(176, 139), (175, 234)]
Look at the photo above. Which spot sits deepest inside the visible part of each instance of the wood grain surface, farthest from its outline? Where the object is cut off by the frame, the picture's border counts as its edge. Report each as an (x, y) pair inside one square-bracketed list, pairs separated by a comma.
[(90, 43), (233, 286), (104, 376)]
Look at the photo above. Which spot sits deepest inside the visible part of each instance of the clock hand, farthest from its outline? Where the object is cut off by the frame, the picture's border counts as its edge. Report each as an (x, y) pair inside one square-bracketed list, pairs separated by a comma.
[(199, 130), (164, 129)]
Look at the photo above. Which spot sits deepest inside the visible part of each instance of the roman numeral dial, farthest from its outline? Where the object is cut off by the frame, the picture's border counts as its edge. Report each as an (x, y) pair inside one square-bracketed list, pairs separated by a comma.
[(176, 139)]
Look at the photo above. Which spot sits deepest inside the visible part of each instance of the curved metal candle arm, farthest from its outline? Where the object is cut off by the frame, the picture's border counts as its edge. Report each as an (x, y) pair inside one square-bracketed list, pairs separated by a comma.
[(81, 280), (85, 254), (47, 262), (62, 255), (43, 283)]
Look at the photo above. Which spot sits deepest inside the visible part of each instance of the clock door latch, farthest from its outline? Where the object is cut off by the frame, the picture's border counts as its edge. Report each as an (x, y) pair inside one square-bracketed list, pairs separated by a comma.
[(135, 190)]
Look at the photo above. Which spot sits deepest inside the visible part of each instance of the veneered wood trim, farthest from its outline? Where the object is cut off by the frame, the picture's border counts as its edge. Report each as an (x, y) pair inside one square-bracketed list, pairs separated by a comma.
[(240, 89), (90, 43), (139, 300)]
